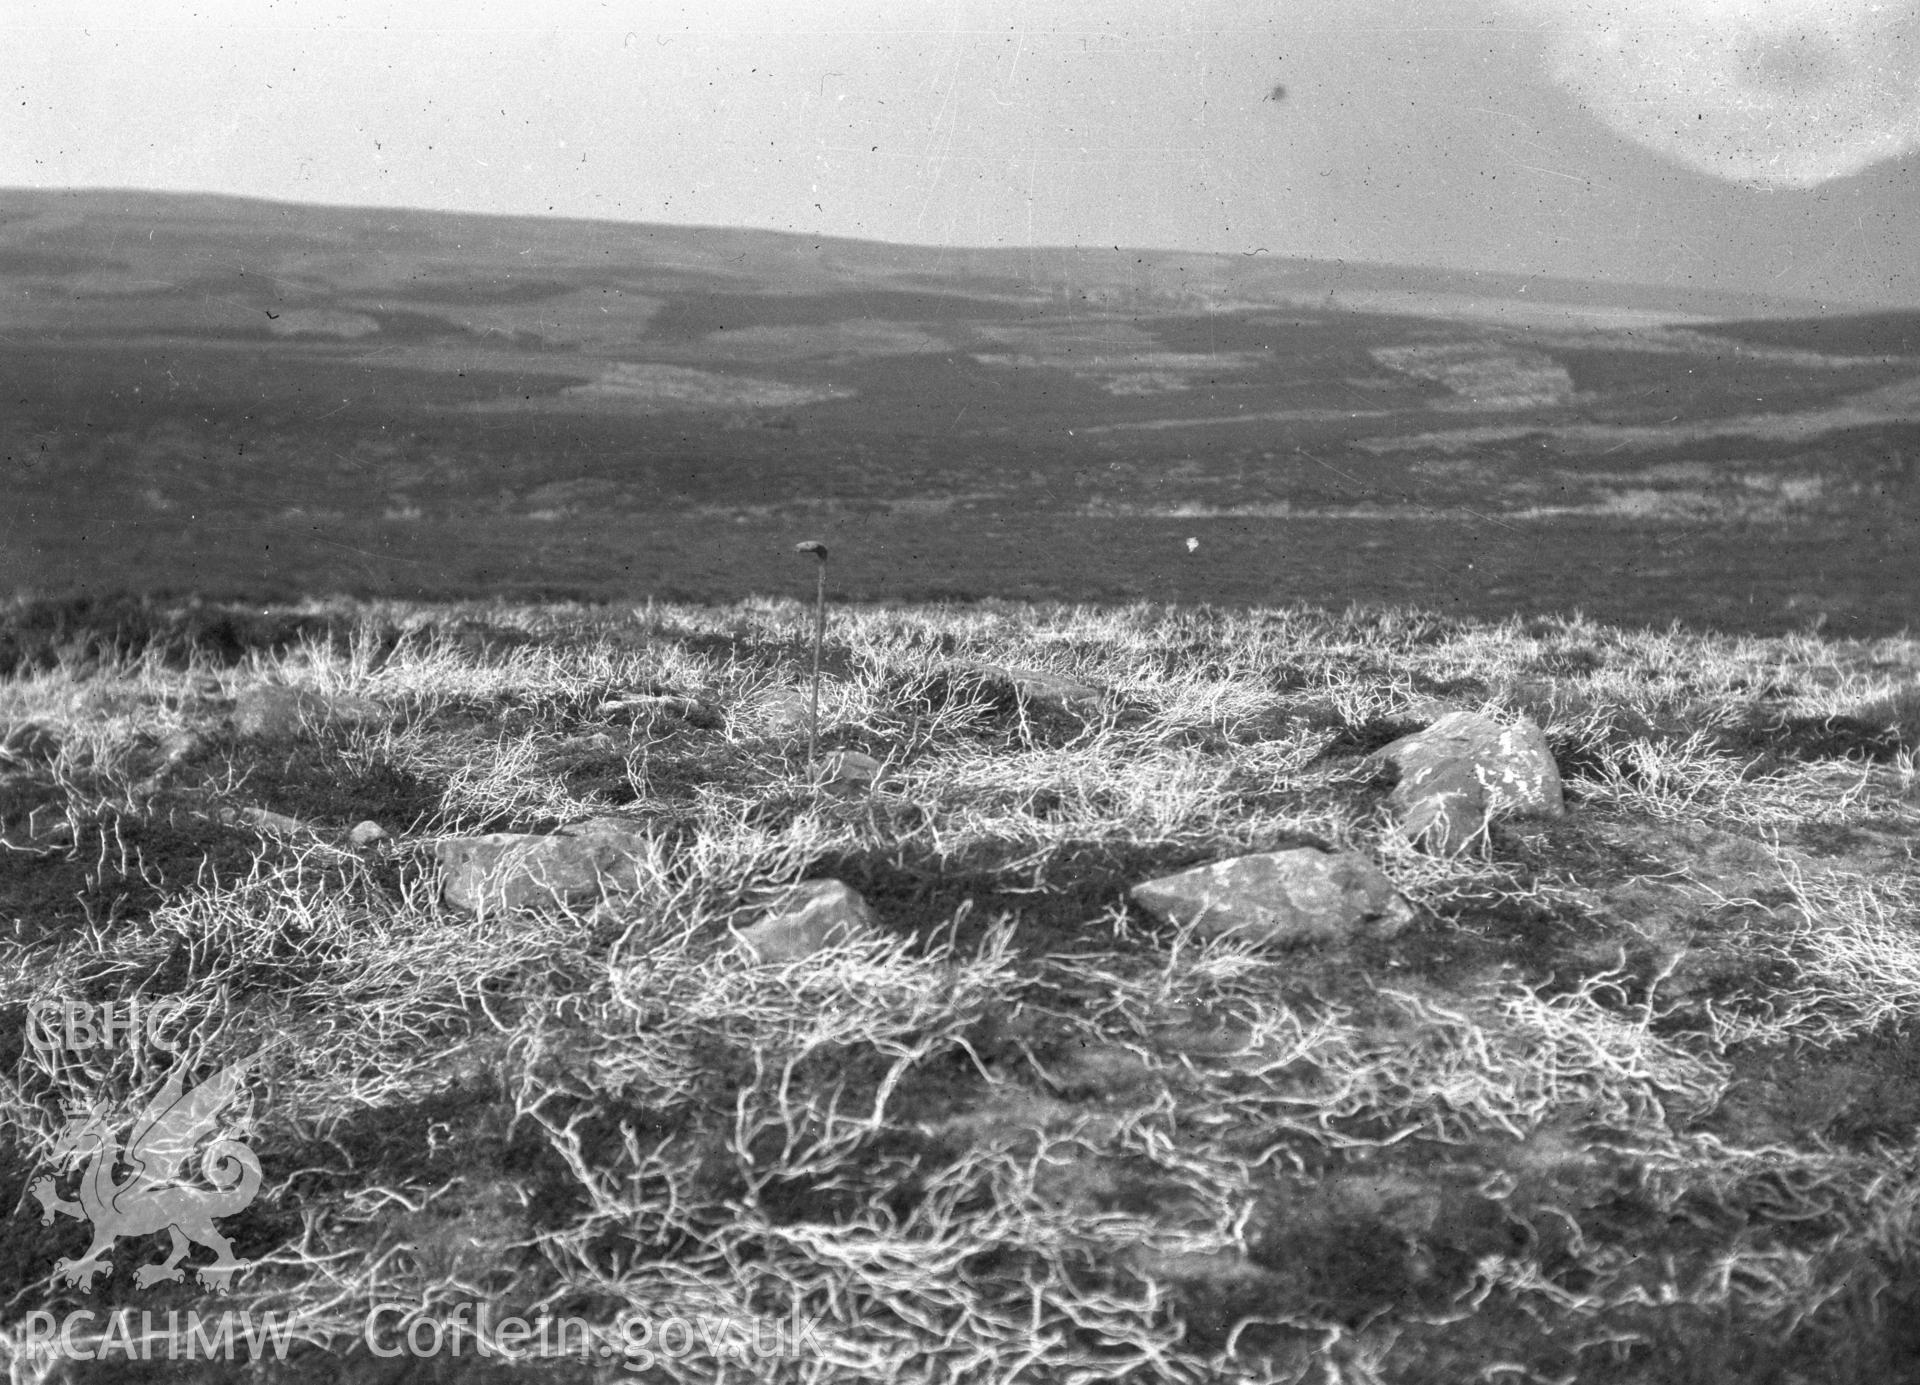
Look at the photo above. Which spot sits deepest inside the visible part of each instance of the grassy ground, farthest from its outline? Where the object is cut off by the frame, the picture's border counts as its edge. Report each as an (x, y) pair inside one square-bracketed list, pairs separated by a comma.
[(1633, 1100)]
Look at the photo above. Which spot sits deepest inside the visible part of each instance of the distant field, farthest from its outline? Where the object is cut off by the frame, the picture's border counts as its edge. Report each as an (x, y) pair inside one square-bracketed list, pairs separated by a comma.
[(258, 401)]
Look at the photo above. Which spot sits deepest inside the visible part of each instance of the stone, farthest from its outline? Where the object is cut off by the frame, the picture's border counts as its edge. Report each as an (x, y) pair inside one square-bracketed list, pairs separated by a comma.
[(807, 918), (265, 820), (1282, 898), (1463, 772), (28, 742), (848, 771), (665, 707), (176, 747), (782, 711), (481, 641), (515, 870), (179, 746), (1053, 690), (368, 832), (274, 710)]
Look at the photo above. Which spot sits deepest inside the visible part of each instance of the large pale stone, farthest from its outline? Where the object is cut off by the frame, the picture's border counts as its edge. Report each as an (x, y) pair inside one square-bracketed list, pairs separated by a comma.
[(1281, 897), (810, 916), (1464, 771), (512, 870)]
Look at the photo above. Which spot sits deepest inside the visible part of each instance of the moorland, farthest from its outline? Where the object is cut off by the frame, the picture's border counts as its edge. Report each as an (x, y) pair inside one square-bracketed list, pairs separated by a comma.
[(1631, 1098), (264, 401), (498, 514)]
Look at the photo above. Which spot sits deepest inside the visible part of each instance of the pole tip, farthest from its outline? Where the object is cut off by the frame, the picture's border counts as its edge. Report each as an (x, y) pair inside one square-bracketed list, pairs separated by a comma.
[(813, 546)]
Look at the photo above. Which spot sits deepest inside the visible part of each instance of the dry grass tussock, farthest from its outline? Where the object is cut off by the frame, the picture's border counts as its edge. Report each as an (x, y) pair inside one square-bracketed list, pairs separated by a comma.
[(1632, 1099)]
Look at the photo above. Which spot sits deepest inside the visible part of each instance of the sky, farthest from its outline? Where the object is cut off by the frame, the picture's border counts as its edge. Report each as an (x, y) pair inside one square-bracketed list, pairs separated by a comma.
[(1768, 146)]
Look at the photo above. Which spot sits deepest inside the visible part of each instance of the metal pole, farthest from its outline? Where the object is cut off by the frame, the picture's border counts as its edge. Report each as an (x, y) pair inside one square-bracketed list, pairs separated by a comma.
[(819, 551), (819, 638)]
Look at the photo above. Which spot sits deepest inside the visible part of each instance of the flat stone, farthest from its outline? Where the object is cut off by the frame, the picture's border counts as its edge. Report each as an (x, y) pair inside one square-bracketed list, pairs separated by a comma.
[(1038, 685), (1282, 898), (515, 870), (660, 707), (275, 710), (265, 820), (1466, 770), (807, 918)]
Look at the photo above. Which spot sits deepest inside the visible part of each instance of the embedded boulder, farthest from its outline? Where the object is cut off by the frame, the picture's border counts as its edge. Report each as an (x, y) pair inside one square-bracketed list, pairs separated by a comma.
[(1282, 898), (515, 870), (810, 916), (1464, 771)]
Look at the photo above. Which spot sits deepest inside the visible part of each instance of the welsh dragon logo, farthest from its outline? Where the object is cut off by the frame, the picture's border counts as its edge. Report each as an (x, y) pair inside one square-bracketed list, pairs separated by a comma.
[(154, 1196)]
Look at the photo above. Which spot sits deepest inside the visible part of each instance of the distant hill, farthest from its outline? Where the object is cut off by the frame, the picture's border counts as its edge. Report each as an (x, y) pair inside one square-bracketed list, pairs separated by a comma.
[(252, 399), (112, 243)]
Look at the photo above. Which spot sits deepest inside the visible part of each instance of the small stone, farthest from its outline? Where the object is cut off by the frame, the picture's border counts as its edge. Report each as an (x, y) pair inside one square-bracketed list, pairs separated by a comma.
[(1464, 771), (368, 832), (848, 771), (177, 747), (659, 707), (264, 820), (1281, 898), (28, 742), (1037, 685), (274, 710), (807, 918), (513, 870), (782, 711), (481, 641)]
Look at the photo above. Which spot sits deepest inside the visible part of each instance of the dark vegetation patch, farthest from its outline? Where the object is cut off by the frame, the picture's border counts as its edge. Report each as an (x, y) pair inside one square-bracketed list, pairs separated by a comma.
[(1863, 1092), (37, 634), (1764, 733), (118, 867), (315, 783), (1056, 903), (1850, 334), (20, 259), (1358, 739), (1569, 661), (989, 706)]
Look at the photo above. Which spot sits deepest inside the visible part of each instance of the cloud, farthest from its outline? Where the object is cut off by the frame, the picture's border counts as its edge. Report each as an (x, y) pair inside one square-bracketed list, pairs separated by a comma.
[(1770, 93)]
